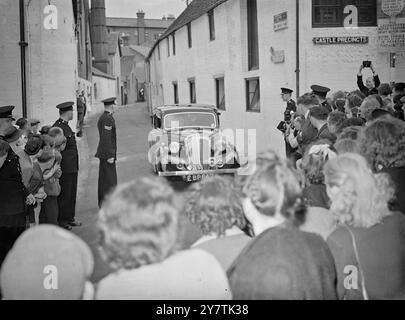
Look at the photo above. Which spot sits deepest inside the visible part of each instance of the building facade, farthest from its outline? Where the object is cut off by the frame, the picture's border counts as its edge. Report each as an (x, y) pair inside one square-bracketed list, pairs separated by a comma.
[(236, 54), (139, 31), (50, 57)]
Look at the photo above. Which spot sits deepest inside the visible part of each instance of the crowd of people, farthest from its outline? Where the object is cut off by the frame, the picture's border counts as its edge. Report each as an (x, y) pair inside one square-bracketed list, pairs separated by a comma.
[(326, 223)]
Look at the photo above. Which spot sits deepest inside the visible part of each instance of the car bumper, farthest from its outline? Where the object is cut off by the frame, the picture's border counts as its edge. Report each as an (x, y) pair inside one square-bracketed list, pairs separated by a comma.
[(200, 172)]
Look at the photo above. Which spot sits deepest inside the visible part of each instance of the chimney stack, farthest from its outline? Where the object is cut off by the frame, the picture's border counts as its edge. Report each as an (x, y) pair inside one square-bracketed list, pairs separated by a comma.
[(171, 17), (98, 29), (141, 27), (125, 40)]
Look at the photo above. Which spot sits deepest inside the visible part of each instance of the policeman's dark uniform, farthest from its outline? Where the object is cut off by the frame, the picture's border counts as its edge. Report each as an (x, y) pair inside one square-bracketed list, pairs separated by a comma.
[(321, 92), (107, 149), (291, 108), (12, 196), (70, 169)]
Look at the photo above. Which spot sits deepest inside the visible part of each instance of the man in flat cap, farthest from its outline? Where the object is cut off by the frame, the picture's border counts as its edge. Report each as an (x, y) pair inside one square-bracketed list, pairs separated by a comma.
[(13, 194), (70, 169), (321, 92), (291, 108), (107, 151)]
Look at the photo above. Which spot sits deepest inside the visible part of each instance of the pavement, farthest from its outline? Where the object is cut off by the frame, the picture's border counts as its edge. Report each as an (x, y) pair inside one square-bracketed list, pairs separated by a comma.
[(133, 125)]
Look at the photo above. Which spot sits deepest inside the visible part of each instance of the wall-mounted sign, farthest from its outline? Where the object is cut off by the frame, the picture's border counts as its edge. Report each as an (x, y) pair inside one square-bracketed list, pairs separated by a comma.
[(340, 40), (277, 56), (281, 21), (392, 8), (51, 19), (391, 37)]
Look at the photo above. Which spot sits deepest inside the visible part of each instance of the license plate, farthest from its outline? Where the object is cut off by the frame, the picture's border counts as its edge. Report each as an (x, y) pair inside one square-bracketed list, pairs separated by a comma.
[(197, 177)]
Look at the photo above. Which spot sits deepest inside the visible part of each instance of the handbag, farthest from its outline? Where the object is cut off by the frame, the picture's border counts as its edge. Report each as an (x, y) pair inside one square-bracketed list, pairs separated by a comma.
[(356, 253)]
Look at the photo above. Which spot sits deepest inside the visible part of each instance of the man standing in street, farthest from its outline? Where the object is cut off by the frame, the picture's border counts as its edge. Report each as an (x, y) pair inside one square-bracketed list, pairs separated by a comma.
[(70, 169), (289, 111), (13, 195), (107, 151)]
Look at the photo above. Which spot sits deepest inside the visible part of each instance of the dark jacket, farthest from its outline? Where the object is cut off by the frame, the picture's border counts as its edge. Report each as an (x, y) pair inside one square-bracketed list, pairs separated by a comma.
[(107, 147), (315, 195), (324, 133), (398, 178), (70, 156), (12, 193), (307, 136), (284, 263), (381, 250), (364, 89)]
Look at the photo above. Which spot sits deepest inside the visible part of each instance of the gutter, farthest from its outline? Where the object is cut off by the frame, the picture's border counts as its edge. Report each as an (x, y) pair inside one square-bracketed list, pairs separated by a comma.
[(23, 44)]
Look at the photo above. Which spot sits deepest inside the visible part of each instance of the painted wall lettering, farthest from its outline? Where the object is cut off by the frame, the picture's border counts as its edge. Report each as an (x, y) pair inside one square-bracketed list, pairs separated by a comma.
[(51, 19)]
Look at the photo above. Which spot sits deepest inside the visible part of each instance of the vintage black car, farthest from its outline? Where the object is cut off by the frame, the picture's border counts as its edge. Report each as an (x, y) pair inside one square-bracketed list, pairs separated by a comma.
[(186, 141)]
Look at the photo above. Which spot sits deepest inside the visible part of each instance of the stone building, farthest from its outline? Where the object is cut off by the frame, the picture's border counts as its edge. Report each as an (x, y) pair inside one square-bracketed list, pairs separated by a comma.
[(139, 31)]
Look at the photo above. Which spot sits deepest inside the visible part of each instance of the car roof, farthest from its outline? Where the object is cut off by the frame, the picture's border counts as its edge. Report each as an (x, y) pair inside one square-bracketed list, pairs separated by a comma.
[(185, 107)]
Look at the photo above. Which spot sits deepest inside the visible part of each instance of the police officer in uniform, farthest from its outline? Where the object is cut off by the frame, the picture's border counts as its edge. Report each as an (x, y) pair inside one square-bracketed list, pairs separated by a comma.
[(288, 113), (320, 92), (107, 151), (13, 195), (70, 169)]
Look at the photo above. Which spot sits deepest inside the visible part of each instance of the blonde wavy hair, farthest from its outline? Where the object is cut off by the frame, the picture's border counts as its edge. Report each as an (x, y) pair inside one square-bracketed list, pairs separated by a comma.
[(139, 224), (214, 206), (275, 187), (382, 143), (362, 199)]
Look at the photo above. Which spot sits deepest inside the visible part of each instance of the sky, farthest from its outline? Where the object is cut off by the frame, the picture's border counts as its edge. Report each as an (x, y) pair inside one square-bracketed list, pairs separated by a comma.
[(154, 9)]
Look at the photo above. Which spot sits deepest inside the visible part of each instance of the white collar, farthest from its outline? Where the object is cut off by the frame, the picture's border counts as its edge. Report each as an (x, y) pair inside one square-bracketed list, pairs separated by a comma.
[(307, 114)]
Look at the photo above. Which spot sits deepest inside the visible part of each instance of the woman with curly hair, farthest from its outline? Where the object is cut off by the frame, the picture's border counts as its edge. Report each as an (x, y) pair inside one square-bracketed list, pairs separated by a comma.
[(139, 228), (382, 143), (353, 102), (215, 208), (369, 244), (281, 262)]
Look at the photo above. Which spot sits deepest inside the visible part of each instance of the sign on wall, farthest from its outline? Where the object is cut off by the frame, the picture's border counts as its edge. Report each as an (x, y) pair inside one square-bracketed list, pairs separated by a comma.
[(392, 8), (391, 26), (281, 21), (51, 18), (277, 56), (340, 40)]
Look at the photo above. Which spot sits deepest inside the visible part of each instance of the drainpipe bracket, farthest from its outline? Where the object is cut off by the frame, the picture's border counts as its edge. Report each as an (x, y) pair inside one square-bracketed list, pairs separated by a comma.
[(23, 44)]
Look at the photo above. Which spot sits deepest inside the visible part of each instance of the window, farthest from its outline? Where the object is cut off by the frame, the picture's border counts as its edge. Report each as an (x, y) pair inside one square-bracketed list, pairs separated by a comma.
[(168, 46), (193, 98), (253, 95), (211, 22), (174, 44), (190, 39), (220, 93), (176, 93), (331, 13), (253, 38)]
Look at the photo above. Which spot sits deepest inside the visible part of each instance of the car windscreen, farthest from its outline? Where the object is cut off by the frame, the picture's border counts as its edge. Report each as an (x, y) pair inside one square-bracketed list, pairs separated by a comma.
[(186, 120)]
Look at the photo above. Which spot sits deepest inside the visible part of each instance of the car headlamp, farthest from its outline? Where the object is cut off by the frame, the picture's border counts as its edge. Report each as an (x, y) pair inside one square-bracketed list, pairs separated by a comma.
[(174, 147)]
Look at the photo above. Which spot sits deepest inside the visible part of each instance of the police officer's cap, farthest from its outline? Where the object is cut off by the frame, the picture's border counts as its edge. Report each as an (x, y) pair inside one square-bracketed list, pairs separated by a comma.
[(286, 91), (109, 101), (320, 90), (66, 106), (6, 112), (400, 86)]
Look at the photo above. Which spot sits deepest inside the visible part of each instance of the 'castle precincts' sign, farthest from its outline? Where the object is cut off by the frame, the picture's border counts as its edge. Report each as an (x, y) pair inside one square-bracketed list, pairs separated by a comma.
[(340, 40)]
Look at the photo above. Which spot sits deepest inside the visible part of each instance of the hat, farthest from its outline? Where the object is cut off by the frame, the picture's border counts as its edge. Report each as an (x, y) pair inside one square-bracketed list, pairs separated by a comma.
[(45, 129), (320, 91), (46, 263), (6, 112), (12, 134), (66, 106), (33, 145), (320, 113), (286, 90), (109, 101), (21, 123)]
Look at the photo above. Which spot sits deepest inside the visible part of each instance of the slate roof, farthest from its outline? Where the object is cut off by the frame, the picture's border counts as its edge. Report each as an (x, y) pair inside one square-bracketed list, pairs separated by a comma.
[(141, 49), (133, 23), (195, 9)]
